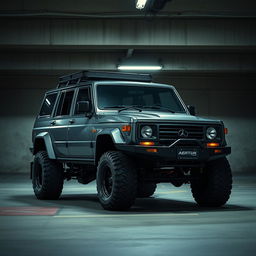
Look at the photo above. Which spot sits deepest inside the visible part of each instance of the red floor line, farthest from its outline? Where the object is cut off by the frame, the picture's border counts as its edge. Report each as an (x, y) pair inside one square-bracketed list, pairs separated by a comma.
[(28, 211)]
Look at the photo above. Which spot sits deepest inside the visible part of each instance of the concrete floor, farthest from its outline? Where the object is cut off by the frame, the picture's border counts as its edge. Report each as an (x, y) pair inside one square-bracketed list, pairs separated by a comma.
[(168, 224)]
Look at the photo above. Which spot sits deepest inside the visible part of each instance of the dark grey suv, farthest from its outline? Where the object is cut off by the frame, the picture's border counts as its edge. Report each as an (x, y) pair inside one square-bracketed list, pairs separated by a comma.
[(129, 134)]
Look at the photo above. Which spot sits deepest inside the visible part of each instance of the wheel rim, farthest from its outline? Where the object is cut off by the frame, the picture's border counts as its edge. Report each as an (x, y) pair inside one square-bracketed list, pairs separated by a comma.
[(38, 175), (107, 182)]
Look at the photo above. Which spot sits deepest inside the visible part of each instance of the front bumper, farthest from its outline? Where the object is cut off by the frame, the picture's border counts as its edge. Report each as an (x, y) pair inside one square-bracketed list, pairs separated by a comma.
[(171, 153)]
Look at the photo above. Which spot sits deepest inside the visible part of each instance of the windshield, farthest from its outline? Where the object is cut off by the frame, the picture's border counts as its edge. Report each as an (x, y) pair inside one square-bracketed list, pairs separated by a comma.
[(124, 96)]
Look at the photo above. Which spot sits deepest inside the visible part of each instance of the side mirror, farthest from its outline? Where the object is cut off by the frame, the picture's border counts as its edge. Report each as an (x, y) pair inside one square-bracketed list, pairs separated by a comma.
[(83, 107), (192, 110)]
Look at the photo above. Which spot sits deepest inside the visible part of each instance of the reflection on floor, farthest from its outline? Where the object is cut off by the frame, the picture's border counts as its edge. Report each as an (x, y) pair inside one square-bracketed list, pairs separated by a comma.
[(169, 223)]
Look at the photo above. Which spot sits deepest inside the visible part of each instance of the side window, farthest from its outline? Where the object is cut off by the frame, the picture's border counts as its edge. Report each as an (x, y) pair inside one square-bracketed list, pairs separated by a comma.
[(83, 95), (48, 105), (65, 103)]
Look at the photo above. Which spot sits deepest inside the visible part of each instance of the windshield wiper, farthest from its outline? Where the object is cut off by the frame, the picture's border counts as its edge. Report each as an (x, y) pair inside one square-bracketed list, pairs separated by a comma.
[(131, 107), (159, 107), (117, 106), (123, 107), (139, 107)]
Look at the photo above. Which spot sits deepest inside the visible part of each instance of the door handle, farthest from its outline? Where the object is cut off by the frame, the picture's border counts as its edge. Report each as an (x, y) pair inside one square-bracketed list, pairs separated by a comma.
[(71, 121), (53, 122)]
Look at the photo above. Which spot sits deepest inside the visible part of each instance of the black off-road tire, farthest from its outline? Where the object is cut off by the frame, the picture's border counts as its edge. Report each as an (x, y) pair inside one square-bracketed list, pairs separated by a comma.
[(214, 185), (146, 189), (47, 177), (116, 181)]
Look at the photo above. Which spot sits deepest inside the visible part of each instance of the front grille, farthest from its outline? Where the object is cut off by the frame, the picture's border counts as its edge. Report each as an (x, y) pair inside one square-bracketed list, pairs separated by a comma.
[(173, 132)]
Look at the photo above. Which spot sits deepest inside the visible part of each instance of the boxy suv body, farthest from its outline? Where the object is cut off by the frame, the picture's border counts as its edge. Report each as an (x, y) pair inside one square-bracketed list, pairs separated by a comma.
[(129, 134)]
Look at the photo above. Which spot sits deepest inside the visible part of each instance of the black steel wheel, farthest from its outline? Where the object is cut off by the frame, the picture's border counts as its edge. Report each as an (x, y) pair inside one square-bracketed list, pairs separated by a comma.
[(116, 181), (47, 177), (107, 182)]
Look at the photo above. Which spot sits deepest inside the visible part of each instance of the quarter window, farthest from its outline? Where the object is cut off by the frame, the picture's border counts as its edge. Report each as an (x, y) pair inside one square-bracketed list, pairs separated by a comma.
[(48, 105), (83, 95), (65, 103)]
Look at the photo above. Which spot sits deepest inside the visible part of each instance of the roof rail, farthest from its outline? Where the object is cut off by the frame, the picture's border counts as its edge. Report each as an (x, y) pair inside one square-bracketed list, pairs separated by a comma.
[(86, 75)]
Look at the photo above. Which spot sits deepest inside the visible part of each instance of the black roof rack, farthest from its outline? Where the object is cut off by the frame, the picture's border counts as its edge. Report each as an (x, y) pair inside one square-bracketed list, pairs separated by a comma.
[(83, 76)]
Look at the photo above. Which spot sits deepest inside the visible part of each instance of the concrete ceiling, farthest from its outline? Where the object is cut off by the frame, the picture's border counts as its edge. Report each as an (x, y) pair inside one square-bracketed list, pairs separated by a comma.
[(127, 7), (191, 36)]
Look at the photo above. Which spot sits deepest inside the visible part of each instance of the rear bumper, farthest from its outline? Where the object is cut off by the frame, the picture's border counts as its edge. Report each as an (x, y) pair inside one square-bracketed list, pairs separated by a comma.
[(171, 153)]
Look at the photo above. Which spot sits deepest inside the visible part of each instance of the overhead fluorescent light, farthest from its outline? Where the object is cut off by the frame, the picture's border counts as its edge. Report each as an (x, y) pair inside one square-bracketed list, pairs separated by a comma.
[(131, 67), (152, 6), (140, 4)]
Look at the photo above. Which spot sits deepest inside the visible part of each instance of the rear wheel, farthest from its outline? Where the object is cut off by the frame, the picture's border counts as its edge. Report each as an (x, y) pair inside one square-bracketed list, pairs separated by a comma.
[(116, 181), (47, 177), (146, 189), (213, 186)]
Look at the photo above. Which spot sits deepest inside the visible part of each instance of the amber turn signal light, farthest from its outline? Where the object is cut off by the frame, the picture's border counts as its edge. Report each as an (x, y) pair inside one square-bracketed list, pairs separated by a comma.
[(126, 128), (213, 145), (225, 130), (216, 151), (151, 150), (147, 143)]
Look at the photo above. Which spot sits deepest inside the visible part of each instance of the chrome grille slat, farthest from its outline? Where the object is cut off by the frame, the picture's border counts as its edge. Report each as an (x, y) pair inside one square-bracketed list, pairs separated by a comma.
[(170, 132)]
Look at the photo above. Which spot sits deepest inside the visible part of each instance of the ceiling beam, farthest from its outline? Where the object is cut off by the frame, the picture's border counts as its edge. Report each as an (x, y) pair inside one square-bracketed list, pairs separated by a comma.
[(127, 33), (173, 62)]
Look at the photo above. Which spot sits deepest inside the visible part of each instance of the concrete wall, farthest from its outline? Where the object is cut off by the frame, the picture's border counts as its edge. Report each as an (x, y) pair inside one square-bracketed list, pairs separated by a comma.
[(224, 97), (208, 52)]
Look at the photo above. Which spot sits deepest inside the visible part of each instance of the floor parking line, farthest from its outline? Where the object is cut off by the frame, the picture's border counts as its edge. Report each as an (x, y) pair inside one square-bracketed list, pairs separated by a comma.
[(171, 192), (125, 215)]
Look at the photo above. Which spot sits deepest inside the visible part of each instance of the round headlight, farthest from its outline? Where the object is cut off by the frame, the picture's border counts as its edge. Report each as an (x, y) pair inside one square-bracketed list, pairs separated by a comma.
[(211, 133), (146, 132)]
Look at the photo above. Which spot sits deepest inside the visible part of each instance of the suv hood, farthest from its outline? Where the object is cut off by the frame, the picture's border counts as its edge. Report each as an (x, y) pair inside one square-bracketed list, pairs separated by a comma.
[(163, 116)]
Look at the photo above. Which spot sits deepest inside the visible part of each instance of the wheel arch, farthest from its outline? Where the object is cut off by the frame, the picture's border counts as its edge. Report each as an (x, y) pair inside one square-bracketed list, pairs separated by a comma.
[(106, 141), (43, 141)]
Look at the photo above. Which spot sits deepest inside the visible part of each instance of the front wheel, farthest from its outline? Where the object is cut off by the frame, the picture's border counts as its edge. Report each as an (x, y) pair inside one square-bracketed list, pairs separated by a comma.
[(116, 181), (213, 186)]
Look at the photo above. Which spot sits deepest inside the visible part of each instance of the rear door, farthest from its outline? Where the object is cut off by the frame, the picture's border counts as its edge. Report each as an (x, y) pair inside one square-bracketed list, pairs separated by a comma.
[(44, 119), (60, 122), (80, 130)]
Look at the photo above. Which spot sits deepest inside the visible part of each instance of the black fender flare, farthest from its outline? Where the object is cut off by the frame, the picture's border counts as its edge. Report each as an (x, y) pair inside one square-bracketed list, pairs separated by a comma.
[(48, 144)]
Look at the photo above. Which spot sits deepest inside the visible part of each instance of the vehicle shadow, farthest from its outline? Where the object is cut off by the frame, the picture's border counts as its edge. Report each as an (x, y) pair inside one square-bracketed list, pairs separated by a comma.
[(89, 203)]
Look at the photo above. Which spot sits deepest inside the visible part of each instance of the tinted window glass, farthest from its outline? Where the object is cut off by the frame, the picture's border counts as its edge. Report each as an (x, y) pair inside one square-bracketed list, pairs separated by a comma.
[(111, 96), (48, 105), (65, 103), (83, 95)]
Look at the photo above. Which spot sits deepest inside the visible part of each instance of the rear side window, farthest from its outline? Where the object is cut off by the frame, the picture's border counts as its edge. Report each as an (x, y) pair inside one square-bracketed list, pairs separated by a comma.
[(48, 105), (65, 103)]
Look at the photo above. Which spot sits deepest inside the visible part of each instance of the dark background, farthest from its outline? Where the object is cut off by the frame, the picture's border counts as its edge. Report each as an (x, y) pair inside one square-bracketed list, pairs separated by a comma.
[(207, 48)]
